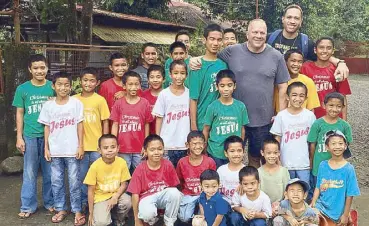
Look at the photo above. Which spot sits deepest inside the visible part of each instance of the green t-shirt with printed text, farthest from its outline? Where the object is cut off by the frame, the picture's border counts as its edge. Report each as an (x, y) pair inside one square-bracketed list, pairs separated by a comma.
[(203, 87), (31, 98), (317, 135), (224, 121)]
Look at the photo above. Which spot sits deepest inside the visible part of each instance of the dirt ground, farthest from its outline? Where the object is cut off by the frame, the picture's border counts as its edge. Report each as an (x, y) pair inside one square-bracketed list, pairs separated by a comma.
[(358, 104)]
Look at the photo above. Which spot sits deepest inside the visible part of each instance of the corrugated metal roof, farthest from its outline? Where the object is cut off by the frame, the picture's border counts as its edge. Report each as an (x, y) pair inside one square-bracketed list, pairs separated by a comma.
[(131, 35)]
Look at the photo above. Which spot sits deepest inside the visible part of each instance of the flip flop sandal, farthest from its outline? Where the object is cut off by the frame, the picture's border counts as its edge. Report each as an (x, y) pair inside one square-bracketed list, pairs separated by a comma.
[(79, 221), (24, 215), (51, 211), (58, 217)]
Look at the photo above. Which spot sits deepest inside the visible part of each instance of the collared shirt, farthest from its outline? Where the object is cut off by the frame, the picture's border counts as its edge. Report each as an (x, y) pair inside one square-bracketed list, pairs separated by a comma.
[(214, 206)]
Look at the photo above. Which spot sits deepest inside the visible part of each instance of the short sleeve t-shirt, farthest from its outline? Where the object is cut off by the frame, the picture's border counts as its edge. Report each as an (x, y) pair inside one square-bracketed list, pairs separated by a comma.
[(214, 206), (95, 110), (168, 79), (107, 90), (261, 204), (203, 87), (152, 100), (317, 135), (308, 215), (325, 83), (255, 84), (107, 177), (131, 120), (294, 130), (189, 175), (63, 121), (146, 182), (142, 71), (229, 182), (274, 184), (283, 44), (312, 99), (335, 186), (224, 121), (31, 98), (175, 111)]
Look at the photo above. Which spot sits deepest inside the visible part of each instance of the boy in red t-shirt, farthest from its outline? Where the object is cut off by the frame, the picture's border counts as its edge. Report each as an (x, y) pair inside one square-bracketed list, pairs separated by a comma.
[(189, 169), (131, 116), (153, 186), (322, 73), (112, 89), (156, 79)]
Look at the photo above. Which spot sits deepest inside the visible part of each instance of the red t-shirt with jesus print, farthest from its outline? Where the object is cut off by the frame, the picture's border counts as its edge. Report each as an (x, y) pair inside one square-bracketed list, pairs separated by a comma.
[(152, 99), (325, 83), (131, 120), (145, 181), (189, 175)]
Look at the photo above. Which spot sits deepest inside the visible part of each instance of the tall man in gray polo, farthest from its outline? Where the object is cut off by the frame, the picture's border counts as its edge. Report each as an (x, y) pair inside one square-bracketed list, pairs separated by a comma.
[(258, 68)]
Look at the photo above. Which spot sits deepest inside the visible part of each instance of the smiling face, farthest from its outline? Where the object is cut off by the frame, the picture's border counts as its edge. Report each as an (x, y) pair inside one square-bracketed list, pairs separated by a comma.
[(234, 153), (210, 187), (178, 74), (250, 185), (292, 20), (132, 85), (333, 107), (226, 87), (62, 87), (154, 151), (149, 56), (119, 67), (213, 42), (295, 193), (38, 70), (294, 63), (271, 153), (89, 83), (179, 54), (229, 38), (155, 80), (324, 50), (109, 148), (256, 35), (196, 146), (336, 146), (297, 97)]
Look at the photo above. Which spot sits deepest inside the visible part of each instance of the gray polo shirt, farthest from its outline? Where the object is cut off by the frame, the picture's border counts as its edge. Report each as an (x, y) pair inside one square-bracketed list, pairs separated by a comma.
[(142, 71), (256, 76)]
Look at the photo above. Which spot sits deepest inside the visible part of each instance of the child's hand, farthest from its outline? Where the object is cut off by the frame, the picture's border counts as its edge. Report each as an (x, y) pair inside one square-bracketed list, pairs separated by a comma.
[(239, 190), (112, 202), (21, 145), (343, 220), (80, 153), (251, 215), (275, 207), (119, 95), (47, 155), (90, 219), (293, 222), (198, 220)]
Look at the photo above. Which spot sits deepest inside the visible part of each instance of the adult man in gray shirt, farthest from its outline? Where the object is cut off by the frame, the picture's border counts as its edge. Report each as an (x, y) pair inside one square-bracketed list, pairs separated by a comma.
[(258, 68)]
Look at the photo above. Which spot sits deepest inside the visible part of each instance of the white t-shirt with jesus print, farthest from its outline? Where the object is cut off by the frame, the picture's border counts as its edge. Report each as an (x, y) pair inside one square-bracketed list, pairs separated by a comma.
[(229, 181), (294, 130), (175, 111), (62, 120)]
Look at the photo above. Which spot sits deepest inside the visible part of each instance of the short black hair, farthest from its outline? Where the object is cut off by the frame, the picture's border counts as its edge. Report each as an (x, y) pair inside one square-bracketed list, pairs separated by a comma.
[(177, 45), (334, 95), (155, 67), (324, 38), (248, 171), (269, 140), (226, 73), (90, 70), (107, 136), (294, 85), (230, 30), (182, 32), (195, 134), (293, 6), (36, 58), (147, 44), (210, 28), (232, 139), (292, 51), (130, 74), (62, 74), (116, 55), (209, 174), (150, 138), (177, 62)]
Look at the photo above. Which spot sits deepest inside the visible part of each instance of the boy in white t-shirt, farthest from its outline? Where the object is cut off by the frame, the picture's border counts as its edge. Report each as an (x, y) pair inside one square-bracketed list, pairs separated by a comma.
[(63, 119), (228, 173), (172, 113), (291, 128), (253, 207)]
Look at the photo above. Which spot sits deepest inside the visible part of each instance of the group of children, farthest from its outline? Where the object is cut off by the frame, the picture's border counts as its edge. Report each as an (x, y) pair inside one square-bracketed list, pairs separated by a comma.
[(181, 135)]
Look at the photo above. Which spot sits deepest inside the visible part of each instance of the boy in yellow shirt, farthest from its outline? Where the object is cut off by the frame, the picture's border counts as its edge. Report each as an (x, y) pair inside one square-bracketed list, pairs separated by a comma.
[(294, 60), (96, 123), (107, 181)]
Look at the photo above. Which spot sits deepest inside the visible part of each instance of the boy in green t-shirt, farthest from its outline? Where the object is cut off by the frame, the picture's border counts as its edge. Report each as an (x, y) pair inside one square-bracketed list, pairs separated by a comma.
[(28, 99), (333, 104), (224, 117), (177, 51), (203, 89)]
